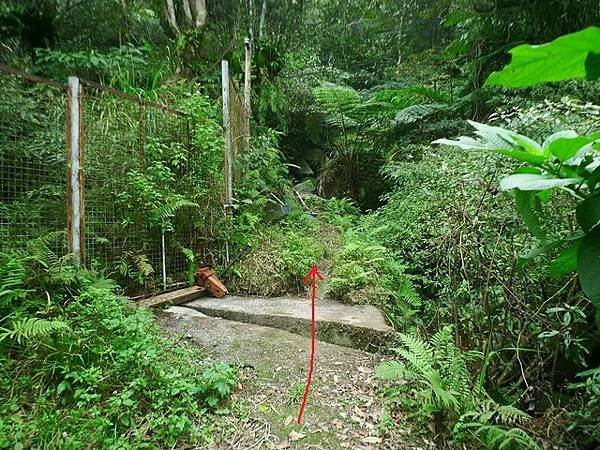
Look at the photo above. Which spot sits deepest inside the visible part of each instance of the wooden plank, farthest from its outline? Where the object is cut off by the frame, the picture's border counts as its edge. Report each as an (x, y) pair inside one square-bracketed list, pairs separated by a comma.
[(177, 297)]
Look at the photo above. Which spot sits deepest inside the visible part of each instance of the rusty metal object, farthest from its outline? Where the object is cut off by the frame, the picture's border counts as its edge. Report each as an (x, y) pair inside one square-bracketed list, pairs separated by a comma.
[(206, 277)]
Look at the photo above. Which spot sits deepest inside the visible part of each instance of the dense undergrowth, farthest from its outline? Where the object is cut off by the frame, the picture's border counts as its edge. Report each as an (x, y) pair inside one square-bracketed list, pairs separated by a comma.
[(491, 284), (81, 367)]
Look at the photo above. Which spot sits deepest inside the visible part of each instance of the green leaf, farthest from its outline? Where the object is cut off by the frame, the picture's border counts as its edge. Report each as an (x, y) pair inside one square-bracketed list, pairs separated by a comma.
[(588, 266), (535, 182), (588, 213), (498, 139), (566, 262), (523, 156), (575, 55), (566, 148), (529, 206), (545, 195)]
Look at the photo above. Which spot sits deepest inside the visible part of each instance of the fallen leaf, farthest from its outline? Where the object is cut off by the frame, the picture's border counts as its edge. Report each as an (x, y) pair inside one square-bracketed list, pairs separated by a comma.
[(282, 445), (288, 420), (336, 379), (294, 436), (263, 408), (359, 412), (372, 440)]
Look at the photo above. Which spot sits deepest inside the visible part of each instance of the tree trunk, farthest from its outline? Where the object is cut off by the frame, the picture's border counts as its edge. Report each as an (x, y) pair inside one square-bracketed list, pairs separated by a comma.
[(200, 6), (188, 12), (171, 17), (263, 17)]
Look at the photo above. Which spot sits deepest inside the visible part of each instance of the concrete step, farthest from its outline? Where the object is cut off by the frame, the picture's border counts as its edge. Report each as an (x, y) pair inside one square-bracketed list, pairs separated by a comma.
[(357, 326)]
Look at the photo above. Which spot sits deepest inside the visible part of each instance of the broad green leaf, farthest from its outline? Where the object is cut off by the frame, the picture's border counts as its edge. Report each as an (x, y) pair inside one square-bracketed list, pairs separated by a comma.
[(545, 195), (565, 148), (527, 169), (535, 182), (588, 213), (588, 266), (523, 156), (548, 246), (560, 134), (529, 206), (466, 143), (501, 138), (594, 177), (565, 263), (575, 55)]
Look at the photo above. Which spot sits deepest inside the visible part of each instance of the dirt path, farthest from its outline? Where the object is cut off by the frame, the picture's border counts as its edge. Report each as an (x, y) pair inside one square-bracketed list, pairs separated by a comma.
[(344, 410)]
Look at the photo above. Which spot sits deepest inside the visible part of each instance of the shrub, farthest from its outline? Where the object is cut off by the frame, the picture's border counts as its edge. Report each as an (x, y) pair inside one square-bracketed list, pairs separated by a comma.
[(436, 376), (280, 256), (367, 273), (106, 378)]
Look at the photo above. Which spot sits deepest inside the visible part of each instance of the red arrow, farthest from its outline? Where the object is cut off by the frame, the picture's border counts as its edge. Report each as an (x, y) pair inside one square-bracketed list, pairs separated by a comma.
[(311, 277)]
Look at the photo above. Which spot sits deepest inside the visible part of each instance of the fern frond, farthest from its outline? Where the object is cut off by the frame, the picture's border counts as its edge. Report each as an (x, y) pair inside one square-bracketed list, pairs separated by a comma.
[(390, 370), (498, 437), (414, 113), (32, 327), (168, 209), (143, 265), (441, 395), (489, 411), (337, 99), (418, 353)]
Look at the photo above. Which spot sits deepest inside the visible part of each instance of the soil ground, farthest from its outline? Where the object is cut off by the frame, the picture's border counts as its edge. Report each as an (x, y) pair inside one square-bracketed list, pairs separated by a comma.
[(344, 408)]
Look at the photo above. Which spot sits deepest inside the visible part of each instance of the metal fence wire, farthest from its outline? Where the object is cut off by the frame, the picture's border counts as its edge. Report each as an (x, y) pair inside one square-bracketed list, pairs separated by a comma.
[(32, 163), (128, 146), (139, 167), (237, 116)]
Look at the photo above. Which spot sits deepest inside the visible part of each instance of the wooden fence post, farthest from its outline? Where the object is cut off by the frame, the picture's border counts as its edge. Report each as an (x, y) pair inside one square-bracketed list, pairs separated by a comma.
[(75, 206)]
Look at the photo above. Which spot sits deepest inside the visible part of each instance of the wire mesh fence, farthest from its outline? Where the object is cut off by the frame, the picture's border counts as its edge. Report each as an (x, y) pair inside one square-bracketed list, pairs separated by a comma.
[(140, 210), (32, 162), (237, 115), (129, 147)]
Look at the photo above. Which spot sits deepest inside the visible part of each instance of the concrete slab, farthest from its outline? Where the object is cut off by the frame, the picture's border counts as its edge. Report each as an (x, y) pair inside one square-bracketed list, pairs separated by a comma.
[(356, 326), (176, 297), (183, 311)]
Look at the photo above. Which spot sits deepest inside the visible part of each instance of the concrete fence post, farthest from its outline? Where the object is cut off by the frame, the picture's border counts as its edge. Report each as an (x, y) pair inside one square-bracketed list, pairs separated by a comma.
[(228, 137), (247, 92), (75, 205)]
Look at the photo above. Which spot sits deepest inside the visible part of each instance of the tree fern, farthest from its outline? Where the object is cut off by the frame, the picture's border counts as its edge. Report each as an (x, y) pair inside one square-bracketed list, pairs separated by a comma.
[(414, 113), (336, 99)]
